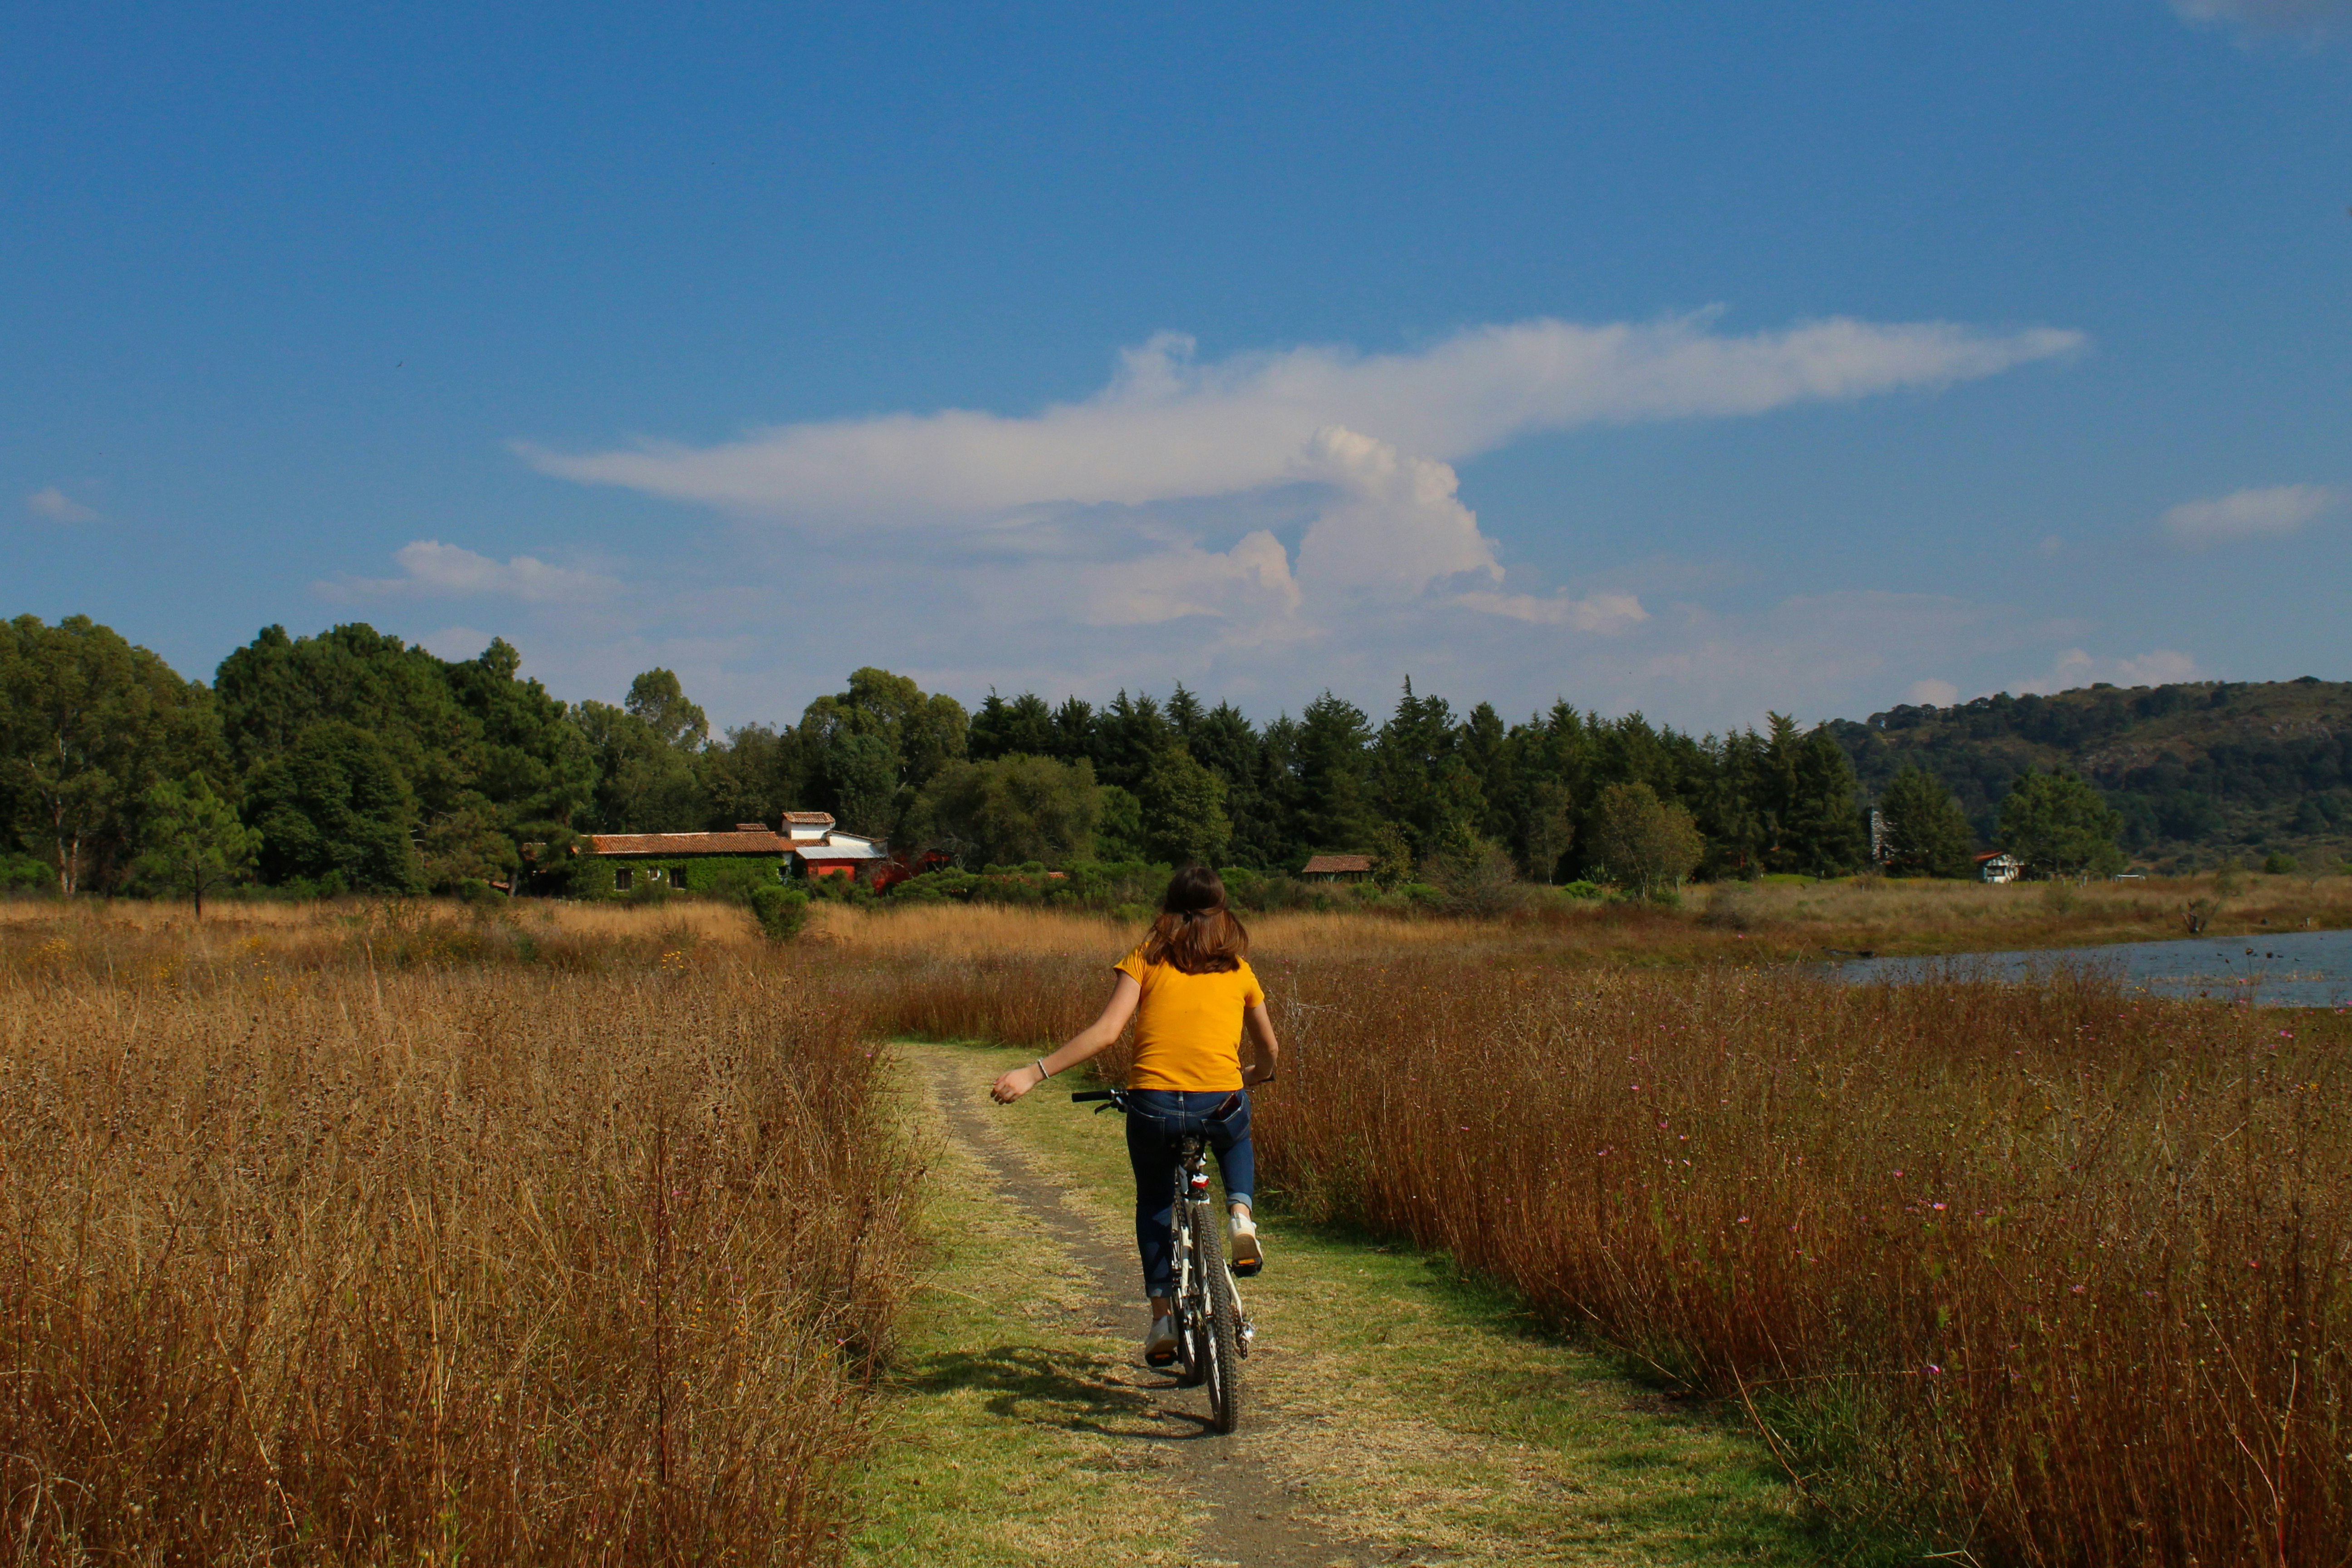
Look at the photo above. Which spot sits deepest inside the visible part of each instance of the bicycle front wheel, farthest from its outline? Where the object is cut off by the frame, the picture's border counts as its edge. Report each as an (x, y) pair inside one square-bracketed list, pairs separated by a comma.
[(1222, 1335)]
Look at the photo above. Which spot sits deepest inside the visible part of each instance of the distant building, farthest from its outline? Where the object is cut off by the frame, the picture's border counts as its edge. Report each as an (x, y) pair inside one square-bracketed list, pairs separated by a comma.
[(805, 842), (1337, 868), (1999, 866)]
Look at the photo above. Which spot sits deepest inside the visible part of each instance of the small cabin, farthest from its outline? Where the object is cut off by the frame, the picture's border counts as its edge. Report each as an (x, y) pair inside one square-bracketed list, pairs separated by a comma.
[(1999, 866), (1337, 868)]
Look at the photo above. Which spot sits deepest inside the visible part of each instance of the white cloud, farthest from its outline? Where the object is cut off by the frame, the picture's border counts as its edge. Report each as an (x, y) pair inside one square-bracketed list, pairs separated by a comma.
[(1600, 613), (1931, 693), (1251, 582), (1167, 428), (435, 569), (2312, 21), (2268, 514), (1394, 525), (58, 507), (2074, 667), (1211, 522)]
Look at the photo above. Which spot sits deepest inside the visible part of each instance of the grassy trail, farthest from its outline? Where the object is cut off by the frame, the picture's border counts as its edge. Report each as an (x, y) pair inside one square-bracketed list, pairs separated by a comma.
[(1395, 1415)]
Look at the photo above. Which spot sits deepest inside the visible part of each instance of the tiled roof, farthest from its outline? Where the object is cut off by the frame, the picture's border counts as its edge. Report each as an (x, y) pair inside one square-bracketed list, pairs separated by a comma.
[(761, 842), (809, 818), (1323, 863)]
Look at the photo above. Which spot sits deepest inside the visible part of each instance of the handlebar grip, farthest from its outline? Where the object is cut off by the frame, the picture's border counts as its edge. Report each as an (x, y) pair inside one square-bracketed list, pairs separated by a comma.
[(1086, 1094)]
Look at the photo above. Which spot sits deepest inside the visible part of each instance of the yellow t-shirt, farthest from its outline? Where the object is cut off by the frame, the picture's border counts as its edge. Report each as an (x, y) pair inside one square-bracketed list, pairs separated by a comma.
[(1187, 1027)]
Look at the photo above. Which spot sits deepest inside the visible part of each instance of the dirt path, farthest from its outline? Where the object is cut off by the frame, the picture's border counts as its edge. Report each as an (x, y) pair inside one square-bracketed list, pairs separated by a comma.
[(1392, 1413), (1250, 1518)]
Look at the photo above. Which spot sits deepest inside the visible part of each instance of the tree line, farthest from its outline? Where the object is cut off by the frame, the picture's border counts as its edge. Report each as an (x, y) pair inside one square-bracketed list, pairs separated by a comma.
[(351, 761)]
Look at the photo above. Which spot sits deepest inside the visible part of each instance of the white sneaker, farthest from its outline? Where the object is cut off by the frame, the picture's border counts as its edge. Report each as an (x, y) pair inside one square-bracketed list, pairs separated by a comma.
[(1159, 1344), (1248, 1259)]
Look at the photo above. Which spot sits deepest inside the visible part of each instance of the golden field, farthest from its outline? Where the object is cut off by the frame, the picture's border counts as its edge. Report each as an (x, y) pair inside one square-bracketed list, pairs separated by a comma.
[(348, 1233)]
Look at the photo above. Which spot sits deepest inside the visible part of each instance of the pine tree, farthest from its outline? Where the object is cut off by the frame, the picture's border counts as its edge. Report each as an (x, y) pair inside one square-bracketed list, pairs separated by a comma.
[(1925, 832)]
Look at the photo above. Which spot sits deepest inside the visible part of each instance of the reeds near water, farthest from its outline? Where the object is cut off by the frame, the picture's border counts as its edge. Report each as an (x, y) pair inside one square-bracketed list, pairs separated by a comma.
[(2045, 1273), (332, 1264)]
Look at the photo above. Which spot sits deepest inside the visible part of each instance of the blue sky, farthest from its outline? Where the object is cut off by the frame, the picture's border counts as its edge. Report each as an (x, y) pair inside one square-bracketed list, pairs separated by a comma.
[(1703, 360)]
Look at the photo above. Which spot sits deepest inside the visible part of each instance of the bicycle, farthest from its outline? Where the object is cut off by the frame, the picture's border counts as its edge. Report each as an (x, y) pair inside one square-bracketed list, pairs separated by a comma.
[(1213, 1330)]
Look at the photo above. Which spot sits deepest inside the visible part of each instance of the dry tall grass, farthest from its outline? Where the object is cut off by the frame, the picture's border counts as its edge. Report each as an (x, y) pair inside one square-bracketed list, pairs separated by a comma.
[(315, 1263), (2071, 1269), (2056, 1276)]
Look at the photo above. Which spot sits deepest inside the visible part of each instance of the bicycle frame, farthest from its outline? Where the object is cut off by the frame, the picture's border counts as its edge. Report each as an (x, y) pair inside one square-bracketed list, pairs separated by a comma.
[(1213, 1330)]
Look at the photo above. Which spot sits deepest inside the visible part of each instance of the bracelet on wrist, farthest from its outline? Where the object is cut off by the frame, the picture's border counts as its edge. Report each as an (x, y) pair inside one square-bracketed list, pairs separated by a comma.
[(1042, 1074)]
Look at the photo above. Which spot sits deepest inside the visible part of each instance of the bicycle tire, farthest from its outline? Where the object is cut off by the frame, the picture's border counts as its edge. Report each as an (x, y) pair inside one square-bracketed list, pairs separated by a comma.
[(1192, 1356), (1224, 1349)]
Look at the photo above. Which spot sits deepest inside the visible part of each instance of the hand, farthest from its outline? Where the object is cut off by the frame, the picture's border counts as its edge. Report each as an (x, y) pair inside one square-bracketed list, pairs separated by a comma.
[(1012, 1085)]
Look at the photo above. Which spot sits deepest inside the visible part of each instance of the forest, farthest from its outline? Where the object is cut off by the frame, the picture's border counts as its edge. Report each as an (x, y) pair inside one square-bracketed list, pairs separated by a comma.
[(351, 761)]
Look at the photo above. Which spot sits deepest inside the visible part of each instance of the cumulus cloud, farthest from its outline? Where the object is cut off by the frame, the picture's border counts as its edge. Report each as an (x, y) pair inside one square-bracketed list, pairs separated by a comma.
[(434, 570), (2312, 21), (2241, 515), (1167, 427), (1250, 582), (2076, 667), (58, 507)]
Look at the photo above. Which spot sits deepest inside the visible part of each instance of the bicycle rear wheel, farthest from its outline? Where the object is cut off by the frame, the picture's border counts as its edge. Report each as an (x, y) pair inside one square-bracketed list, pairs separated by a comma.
[(1223, 1337)]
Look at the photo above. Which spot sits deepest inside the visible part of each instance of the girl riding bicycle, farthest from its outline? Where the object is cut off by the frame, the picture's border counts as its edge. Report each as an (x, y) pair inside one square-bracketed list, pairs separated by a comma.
[(1189, 987)]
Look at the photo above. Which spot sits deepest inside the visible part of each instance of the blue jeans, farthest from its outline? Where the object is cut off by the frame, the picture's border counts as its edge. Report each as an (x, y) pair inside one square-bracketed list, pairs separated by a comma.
[(1157, 1119)]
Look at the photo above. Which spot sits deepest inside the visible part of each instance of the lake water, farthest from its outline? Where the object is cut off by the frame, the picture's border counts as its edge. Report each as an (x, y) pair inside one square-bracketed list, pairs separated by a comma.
[(2292, 969)]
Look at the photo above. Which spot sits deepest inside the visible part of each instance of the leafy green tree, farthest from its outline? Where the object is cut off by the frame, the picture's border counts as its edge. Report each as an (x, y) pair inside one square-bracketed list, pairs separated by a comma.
[(1009, 810), (1645, 843), (1391, 858), (1118, 823), (2060, 826), (862, 769), (465, 844), (1184, 816), (274, 690), (657, 700), (193, 840), (642, 786), (883, 726), (467, 736), (336, 812), (756, 777), (534, 765), (89, 723), (1925, 832)]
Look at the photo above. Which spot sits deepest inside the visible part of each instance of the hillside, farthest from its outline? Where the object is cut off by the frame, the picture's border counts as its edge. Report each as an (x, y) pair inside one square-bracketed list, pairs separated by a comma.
[(2201, 770)]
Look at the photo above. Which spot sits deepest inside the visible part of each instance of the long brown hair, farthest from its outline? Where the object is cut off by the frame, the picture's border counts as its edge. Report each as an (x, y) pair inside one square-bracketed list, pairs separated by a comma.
[(1195, 933)]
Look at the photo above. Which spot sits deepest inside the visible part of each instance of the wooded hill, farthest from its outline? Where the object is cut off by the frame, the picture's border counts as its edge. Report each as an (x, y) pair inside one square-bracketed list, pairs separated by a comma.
[(2200, 771)]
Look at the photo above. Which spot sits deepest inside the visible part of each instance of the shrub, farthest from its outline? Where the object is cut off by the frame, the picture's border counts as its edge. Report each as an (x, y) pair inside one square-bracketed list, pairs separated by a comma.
[(781, 911), (2278, 863)]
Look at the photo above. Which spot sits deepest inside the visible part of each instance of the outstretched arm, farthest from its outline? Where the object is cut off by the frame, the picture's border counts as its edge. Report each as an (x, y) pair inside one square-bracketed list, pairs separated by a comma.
[(1085, 1043), (1260, 1026)]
